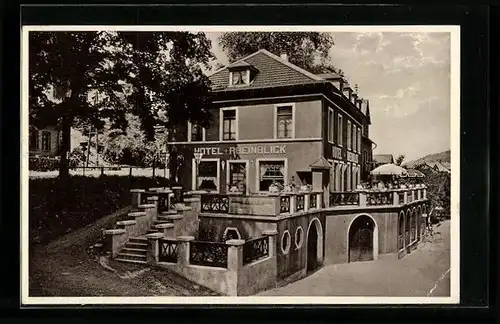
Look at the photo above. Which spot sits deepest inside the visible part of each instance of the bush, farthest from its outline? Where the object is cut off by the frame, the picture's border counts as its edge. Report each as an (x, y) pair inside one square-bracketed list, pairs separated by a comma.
[(56, 209), (43, 164)]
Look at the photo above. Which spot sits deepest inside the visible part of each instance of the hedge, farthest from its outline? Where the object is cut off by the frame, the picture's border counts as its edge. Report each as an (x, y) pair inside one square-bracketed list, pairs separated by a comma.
[(55, 210), (47, 163)]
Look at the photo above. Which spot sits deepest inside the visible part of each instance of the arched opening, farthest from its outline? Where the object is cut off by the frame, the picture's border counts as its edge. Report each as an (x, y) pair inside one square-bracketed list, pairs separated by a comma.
[(401, 231), (231, 233), (314, 253), (363, 239), (407, 228), (413, 226)]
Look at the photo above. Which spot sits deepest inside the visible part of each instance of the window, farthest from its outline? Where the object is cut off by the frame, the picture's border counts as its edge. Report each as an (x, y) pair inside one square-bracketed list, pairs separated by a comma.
[(339, 130), (231, 233), (299, 237), (331, 125), (239, 78), (196, 133), (33, 139), (285, 242), (354, 138), (46, 141), (207, 177), (359, 139), (237, 175), (229, 126), (269, 172), (284, 121), (349, 138)]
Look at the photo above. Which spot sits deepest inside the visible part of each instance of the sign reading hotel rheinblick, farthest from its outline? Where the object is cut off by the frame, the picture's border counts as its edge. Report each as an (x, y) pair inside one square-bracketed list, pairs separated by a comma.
[(257, 149)]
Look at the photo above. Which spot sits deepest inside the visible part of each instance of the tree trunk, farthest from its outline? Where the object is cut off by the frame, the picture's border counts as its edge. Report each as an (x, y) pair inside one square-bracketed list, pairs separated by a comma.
[(65, 147)]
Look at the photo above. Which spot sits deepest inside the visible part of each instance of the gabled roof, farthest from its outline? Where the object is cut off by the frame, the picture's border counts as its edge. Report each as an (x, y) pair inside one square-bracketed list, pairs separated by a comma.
[(329, 76), (383, 158), (321, 163), (239, 64), (273, 71)]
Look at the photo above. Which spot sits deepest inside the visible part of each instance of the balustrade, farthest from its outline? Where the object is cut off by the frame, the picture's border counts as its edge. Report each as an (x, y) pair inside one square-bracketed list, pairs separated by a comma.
[(255, 249), (299, 202), (344, 198), (284, 204), (215, 203), (211, 254), (168, 251), (379, 198), (313, 200)]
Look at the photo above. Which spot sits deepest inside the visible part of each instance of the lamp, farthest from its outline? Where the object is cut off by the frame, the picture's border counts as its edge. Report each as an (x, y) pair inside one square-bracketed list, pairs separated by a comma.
[(197, 157)]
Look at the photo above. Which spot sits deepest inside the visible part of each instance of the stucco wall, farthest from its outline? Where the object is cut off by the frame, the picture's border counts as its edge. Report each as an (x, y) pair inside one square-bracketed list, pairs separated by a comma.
[(247, 228), (257, 276), (295, 259)]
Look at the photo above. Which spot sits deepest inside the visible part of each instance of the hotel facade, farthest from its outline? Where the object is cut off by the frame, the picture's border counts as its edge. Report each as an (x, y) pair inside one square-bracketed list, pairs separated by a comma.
[(275, 122)]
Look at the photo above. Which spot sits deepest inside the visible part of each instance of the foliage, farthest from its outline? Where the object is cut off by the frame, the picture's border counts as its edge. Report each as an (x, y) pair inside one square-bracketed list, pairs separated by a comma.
[(51, 163), (308, 50), (399, 159), (438, 189), (55, 210), (90, 78)]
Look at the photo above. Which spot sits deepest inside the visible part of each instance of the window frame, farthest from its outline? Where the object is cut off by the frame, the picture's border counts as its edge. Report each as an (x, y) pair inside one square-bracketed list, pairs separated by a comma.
[(49, 143), (331, 125), (359, 139), (194, 172), (36, 134), (189, 133), (275, 118), (349, 135), (247, 172), (246, 79), (257, 171), (340, 133), (221, 124)]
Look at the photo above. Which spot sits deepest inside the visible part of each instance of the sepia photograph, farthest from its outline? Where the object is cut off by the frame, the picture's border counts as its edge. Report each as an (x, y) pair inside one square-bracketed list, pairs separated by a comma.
[(235, 164)]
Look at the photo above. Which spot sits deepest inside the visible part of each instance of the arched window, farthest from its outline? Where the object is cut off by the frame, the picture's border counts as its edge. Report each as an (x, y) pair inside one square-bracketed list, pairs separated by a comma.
[(285, 242)]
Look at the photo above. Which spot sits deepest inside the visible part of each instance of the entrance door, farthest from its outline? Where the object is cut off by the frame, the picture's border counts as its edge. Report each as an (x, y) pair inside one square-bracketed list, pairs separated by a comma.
[(361, 239), (312, 248)]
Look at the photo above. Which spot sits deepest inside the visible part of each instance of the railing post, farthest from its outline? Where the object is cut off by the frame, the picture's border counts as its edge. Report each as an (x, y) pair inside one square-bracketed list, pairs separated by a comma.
[(183, 249), (395, 197), (425, 193), (306, 201), (293, 201), (136, 197), (406, 197), (412, 195), (362, 199), (271, 234), (319, 204), (235, 255), (153, 247)]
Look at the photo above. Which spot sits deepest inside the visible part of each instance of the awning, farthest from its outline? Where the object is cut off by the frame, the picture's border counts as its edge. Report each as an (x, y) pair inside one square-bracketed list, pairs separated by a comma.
[(321, 163)]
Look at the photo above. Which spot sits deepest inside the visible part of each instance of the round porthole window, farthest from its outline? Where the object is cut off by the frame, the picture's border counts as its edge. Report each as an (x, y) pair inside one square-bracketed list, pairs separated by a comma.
[(285, 242), (299, 237)]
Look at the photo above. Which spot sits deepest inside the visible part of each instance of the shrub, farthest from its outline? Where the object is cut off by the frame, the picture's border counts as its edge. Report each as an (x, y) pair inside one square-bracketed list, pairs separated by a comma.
[(43, 164)]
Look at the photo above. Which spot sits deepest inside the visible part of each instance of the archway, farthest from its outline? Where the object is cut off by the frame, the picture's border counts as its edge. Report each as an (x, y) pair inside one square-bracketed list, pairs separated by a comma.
[(314, 252), (401, 231), (362, 239)]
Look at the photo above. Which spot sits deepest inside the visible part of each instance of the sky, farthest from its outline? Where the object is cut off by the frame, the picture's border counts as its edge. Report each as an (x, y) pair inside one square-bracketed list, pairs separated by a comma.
[(406, 78)]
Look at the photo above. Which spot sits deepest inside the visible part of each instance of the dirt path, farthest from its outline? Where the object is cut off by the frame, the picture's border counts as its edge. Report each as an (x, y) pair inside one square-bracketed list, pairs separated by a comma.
[(65, 267)]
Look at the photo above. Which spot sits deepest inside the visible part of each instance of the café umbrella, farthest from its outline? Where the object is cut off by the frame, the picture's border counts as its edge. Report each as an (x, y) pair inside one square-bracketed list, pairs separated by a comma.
[(389, 169)]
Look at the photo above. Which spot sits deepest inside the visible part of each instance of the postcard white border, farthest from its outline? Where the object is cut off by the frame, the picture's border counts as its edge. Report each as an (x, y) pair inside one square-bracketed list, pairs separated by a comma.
[(454, 298)]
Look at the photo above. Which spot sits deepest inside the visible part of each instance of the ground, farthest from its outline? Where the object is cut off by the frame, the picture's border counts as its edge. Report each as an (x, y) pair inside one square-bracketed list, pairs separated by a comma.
[(425, 272), (65, 267)]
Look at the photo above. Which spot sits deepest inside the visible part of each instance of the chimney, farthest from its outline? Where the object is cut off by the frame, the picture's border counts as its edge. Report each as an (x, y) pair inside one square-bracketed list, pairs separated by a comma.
[(284, 57)]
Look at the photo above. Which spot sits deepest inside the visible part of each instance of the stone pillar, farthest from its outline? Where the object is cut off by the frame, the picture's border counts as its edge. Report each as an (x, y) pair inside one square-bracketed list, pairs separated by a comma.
[(307, 197), (183, 249), (115, 240), (319, 200), (425, 193), (412, 195), (271, 234), (395, 196), (154, 200), (136, 197), (406, 197), (293, 201), (153, 247), (235, 255), (362, 199)]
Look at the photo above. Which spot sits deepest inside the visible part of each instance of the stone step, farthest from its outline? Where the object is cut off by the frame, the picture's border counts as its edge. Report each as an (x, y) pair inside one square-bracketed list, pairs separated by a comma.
[(132, 256), (161, 222), (134, 245), (134, 250), (169, 212), (131, 261), (140, 240)]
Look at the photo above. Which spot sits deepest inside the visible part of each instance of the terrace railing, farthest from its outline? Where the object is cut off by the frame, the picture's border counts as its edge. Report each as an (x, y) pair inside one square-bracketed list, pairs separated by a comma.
[(211, 254), (379, 198), (344, 198), (168, 251), (213, 203), (284, 204), (401, 197), (313, 200), (299, 202), (255, 249)]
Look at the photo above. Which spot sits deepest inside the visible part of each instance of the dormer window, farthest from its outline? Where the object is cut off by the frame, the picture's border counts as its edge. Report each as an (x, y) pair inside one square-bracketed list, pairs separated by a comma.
[(240, 77), (241, 74)]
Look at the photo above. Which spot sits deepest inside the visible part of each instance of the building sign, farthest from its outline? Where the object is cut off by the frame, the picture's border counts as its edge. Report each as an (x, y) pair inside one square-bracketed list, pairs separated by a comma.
[(352, 157), (256, 149), (336, 152)]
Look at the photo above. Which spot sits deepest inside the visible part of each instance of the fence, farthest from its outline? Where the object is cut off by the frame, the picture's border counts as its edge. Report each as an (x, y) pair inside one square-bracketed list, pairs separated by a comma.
[(211, 254), (379, 198), (255, 249), (284, 204), (168, 251), (213, 203), (344, 198), (299, 203)]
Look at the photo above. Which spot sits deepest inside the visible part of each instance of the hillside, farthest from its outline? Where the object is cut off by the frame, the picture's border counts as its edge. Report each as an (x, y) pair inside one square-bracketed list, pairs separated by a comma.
[(441, 157)]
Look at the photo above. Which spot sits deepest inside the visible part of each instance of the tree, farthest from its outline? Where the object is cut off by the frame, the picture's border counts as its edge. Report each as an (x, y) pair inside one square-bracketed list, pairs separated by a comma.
[(97, 77), (399, 159), (308, 50)]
